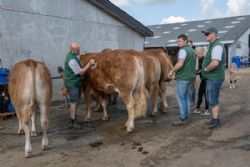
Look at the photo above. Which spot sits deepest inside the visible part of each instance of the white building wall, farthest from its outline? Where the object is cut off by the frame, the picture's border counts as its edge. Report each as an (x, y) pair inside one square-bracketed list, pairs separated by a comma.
[(43, 30)]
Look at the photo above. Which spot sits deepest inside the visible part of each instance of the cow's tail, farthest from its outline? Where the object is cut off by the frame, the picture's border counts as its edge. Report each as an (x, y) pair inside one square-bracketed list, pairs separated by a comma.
[(169, 66), (140, 102), (32, 67), (167, 58), (139, 94)]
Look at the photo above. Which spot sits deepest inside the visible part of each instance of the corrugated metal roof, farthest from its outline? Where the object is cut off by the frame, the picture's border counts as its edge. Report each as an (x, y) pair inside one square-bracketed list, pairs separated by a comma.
[(229, 30), (121, 15)]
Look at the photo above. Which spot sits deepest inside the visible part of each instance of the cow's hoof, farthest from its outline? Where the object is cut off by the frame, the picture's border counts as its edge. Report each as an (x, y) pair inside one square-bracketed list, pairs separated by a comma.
[(44, 147), (20, 132), (45, 143), (105, 118), (33, 134), (129, 130), (28, 154)]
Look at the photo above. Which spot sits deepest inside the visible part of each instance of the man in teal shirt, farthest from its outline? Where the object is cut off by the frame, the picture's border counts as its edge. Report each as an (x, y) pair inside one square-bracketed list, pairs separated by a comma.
[(72, 77), (213, 72), (185, 75)]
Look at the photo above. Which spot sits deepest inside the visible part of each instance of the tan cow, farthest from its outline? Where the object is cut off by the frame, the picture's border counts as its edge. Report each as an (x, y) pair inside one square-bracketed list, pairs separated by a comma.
[(166, 66), (120, 72), (90, 94), (30, 87), (156, 64)]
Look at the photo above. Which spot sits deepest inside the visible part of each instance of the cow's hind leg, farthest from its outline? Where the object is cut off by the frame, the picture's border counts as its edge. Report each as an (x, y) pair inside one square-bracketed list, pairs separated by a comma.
[(44, 124), (129, 102), (88, 108), (28, 147), (154, 96), (104, 102), (20, 127), (33, 124), (163, 95)]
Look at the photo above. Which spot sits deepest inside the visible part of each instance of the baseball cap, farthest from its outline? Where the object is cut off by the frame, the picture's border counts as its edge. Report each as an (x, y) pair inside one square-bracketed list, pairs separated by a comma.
[(209, 30)]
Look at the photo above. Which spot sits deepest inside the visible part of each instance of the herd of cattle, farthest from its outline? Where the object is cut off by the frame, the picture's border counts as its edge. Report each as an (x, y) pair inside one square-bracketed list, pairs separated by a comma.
[(125, 73)]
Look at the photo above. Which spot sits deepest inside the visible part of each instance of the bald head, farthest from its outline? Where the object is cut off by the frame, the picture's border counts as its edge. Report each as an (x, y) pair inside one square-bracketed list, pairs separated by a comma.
[(75, 48)]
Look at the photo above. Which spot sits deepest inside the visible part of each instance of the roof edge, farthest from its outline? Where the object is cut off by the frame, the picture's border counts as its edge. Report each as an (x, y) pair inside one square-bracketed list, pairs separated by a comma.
[(122, 16)]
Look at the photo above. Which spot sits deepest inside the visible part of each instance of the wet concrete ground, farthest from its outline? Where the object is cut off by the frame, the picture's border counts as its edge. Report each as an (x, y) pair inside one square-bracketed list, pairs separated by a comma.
[(155, 143)]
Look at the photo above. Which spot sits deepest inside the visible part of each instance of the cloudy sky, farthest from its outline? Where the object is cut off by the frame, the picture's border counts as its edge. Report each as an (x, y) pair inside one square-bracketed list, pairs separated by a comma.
[(151, 12)]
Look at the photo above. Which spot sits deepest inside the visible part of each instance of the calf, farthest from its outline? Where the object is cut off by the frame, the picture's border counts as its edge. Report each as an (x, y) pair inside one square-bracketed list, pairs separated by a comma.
[(30, 86)]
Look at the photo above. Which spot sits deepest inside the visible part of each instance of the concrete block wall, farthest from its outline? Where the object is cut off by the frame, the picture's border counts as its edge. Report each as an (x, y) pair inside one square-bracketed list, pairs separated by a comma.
[(43, 30)]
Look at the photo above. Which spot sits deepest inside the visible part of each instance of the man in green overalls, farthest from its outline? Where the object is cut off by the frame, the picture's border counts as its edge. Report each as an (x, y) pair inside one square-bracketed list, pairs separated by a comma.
[(72, 78)]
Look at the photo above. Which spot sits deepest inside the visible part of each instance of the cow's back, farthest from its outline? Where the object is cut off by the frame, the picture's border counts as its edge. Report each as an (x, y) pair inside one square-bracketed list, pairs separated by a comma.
[(152, 69), (26, 77), (43, 84), (120, 67), (165, 62)]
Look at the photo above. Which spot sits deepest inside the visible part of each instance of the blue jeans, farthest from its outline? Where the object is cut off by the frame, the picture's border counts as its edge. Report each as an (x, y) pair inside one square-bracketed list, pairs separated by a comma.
[(183, 98), (192, 93), (213, 91)]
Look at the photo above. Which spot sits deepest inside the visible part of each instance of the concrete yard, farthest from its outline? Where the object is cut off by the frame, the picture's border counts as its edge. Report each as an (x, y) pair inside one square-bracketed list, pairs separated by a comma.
[(154, 143)]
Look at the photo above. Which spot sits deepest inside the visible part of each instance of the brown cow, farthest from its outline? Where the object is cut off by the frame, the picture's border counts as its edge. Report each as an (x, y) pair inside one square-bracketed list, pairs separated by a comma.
[(152, 72), (90, 94), (166, 66), (120, 72), (156, 65), (30, 86)]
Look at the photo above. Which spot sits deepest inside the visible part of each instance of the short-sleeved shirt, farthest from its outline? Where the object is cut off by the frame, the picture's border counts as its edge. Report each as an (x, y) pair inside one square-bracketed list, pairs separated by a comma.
[(74, 65), (217, 52), (182, 54)]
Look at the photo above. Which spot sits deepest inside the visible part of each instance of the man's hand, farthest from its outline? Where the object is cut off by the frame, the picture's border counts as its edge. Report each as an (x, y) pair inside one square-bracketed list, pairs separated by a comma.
[(171, 74), (92, 61)]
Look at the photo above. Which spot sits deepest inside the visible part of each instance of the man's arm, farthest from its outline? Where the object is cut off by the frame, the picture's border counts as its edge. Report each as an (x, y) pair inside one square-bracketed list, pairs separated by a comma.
[(178, 65), (212, 65), (181, 58), (76, 67), (85, 68)]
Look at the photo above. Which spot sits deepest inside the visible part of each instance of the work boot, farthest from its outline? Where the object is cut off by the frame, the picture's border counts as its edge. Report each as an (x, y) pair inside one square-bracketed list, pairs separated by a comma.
[(74, 125), (214, 123)]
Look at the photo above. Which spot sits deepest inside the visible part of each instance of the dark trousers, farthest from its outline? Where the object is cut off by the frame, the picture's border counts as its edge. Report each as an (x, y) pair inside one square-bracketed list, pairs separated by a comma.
[(201, 93)]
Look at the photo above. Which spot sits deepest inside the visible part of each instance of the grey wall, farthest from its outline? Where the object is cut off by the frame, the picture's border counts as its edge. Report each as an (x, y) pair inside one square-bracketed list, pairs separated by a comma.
[(243, 50), (43, 30)]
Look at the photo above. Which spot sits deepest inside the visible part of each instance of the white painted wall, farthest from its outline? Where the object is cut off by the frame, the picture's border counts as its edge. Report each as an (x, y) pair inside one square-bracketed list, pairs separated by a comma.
[(43, 30)]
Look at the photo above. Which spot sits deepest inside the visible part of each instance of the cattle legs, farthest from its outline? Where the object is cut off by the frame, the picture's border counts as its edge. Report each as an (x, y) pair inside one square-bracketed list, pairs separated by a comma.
[(33, 124), (163, 95), (104, 102), (154, 97), (28, 147), (44, 124), (20, 127), (129, 102)]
